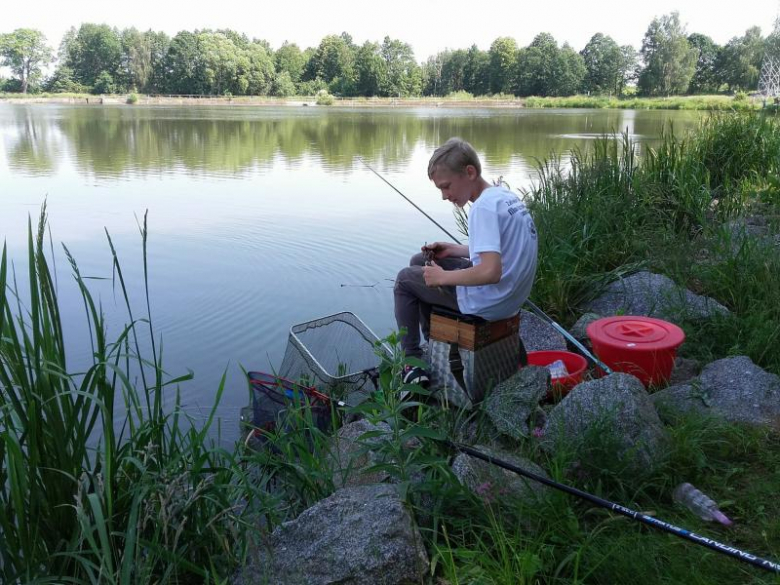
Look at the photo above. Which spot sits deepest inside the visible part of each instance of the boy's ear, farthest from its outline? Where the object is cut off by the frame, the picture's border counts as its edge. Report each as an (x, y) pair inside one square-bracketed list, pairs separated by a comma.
[(471, 171)]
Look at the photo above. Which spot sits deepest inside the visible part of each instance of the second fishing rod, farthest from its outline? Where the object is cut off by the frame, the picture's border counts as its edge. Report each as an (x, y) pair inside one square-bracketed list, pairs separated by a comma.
[(534, 308)]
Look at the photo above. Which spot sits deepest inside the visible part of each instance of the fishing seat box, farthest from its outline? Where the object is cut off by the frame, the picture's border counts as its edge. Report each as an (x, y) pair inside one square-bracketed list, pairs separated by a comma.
[(469, 355)]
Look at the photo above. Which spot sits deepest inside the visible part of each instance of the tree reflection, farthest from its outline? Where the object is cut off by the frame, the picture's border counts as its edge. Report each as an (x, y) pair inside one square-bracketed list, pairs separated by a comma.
[(111, 142)]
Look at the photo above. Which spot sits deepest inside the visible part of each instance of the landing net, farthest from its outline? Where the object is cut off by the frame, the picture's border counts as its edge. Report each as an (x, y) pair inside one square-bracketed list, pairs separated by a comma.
[(337, 354)]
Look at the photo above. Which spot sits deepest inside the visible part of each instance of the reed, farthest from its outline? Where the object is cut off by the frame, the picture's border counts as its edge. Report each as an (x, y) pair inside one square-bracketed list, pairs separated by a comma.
[(100, 483)]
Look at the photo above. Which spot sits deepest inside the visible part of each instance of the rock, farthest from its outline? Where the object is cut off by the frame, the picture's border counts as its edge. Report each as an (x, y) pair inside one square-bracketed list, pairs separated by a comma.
[(350, 454), (684, 370), (359, 535), (733, 388), (579, 329), (493, 483), (537, 335), (616, 410), (654, 295), (512, 403)]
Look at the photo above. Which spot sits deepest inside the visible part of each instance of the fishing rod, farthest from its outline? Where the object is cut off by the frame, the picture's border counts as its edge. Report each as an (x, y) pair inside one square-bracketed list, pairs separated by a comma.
[(272, 382), (699, 539), (534, 309)]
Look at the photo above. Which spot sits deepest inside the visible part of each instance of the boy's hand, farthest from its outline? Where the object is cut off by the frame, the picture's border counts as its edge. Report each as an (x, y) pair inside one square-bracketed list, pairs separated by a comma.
[(439, 250), (434, 275)]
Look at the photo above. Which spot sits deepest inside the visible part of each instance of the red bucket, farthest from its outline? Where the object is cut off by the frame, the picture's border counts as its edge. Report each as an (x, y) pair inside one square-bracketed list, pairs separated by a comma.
[(642, 346), (575, 366)]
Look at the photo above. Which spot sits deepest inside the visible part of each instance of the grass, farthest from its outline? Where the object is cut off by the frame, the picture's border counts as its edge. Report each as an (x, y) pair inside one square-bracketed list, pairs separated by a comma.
[(695, 102), (100, 483)]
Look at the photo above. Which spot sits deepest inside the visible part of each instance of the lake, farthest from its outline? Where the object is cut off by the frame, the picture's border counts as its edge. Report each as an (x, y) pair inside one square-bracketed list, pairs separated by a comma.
[(259, 217)]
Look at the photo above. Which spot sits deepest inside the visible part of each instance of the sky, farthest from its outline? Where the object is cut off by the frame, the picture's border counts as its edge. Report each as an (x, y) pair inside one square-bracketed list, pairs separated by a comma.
[(429, 26)]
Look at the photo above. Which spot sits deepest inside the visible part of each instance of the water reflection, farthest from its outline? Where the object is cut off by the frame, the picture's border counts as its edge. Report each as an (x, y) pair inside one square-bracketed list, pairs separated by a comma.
[(115, 141), (32, 149)]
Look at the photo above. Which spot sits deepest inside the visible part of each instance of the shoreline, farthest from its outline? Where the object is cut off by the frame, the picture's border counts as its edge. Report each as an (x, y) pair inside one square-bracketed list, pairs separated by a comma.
[(704, 103)]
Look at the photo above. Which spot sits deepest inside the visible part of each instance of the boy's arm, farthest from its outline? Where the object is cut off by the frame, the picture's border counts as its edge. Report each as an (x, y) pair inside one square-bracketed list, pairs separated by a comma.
[(488, 271)]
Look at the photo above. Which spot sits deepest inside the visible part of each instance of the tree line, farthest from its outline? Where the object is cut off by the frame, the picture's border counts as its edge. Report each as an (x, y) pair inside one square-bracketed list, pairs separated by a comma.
[(96, 58)]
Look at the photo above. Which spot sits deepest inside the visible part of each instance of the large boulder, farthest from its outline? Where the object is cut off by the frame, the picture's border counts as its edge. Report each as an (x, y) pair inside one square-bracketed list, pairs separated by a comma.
[(615, 411), (513, 402), (351, 454), (653, 295), (359, 535), (538, 335), (496, 484), (580, 329), (734, 389)]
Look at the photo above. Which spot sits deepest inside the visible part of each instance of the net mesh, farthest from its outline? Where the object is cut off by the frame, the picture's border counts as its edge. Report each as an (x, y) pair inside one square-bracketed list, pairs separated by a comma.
[(335, 354)]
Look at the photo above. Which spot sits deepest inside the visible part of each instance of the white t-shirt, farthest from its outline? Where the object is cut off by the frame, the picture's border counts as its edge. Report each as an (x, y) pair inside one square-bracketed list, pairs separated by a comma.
[(499, 222)]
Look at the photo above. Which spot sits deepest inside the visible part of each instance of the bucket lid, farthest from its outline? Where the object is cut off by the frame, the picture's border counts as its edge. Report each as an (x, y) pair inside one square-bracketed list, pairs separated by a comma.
[(640, 333)]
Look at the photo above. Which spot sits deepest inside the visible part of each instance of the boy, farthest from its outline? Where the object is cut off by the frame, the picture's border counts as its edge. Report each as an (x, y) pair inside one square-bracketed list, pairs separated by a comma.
[(491, 277)]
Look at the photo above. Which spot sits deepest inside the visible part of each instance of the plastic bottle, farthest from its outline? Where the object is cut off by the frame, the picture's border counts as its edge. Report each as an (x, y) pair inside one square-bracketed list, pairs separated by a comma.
[(699, 503)]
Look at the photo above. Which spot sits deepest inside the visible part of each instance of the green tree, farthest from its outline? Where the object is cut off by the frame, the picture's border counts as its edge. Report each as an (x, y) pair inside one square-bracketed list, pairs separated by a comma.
[(669, 59), (403, 77), (333, 61), (572, 71), (94, 49), (283, 85), (432, 74), (136, 63), (628, 70), (476, 71), (25, 51), (503, 59), (739, 63), (603, 60), (289, 58), (705, 79), (257, 68), (159, 43), (184, 66), (371, 70), (545, 70), (772, 42), (453, 72), (221, 61)]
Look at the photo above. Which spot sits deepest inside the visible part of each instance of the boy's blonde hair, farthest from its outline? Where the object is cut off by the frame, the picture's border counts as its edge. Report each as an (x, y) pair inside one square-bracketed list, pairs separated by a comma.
[(454, 155)]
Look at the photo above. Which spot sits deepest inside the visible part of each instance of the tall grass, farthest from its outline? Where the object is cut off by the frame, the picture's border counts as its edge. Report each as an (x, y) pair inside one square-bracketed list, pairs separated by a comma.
[(712, 102), (87, 495), (605, 212)]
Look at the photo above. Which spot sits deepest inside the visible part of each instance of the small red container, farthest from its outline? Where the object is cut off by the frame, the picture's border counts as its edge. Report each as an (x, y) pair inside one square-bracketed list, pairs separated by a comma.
[(575, 365), (642, 346)]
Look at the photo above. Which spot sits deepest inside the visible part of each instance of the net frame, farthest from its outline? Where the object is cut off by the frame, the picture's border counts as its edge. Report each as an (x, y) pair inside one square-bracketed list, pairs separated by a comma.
[(300, 360)]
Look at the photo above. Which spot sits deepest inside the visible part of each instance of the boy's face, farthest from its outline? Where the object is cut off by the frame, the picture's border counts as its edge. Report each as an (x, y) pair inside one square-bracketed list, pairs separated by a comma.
[(457, 188)]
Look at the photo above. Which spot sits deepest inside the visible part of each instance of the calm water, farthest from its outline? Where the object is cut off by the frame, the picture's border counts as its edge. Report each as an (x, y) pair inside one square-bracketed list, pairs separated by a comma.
[(259, 218)]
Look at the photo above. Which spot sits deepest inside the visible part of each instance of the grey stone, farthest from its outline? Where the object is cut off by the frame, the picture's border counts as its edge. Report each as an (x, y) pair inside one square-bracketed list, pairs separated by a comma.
[(653, 295), (512, 403), (359, 535), (734, 389), (579, 329), (616, 404), (537, 335), (684, 370), (350, 454), (493, 483)]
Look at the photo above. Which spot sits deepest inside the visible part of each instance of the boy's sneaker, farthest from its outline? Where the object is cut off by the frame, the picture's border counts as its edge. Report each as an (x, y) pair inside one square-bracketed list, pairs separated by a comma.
[(416, 375)]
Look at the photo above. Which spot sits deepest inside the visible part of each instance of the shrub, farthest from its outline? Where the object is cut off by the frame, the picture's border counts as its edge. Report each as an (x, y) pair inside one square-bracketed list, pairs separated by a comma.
[(132, 98), (459, 95), (324, 98)]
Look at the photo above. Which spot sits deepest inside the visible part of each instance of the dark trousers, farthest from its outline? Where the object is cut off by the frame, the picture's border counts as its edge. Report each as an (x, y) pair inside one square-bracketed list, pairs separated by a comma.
[(414, 299)]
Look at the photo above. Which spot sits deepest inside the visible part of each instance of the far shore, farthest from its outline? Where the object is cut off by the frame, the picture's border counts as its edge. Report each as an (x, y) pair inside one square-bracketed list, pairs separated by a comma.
[(706, 102)]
